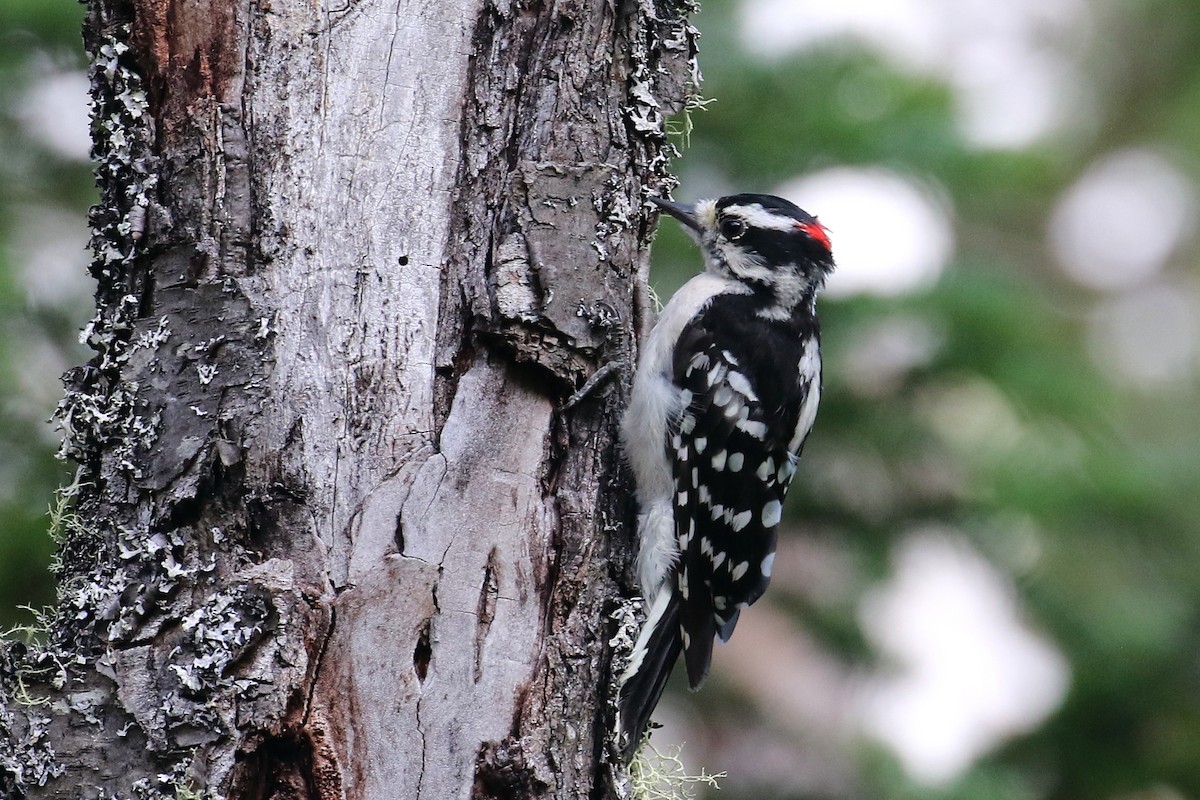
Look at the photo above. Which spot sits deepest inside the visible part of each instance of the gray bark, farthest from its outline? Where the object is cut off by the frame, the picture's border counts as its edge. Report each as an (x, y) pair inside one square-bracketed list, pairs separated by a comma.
[(336, 535)]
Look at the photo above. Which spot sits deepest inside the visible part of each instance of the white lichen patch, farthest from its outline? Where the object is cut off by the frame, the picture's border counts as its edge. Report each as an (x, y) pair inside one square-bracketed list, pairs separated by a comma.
[(209, 344), (152, 339), (152, 568), (99, 409), (628, 614), (27, 759), (215, 636), (616, 212), (177, 783), (645, 114)]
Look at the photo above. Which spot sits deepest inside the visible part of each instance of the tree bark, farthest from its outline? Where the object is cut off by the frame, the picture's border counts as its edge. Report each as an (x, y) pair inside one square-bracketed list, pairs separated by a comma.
[(335, 534)]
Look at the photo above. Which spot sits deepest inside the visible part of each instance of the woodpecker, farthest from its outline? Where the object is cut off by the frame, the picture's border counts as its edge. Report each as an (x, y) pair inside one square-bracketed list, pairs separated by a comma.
[(724, 395)]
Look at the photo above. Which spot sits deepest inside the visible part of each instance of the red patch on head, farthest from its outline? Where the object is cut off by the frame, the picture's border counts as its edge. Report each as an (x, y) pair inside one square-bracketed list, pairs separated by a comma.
[(817, 232)]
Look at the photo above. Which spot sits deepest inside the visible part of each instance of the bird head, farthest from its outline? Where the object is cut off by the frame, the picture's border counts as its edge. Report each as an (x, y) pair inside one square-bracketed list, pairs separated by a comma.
[(766, 242)]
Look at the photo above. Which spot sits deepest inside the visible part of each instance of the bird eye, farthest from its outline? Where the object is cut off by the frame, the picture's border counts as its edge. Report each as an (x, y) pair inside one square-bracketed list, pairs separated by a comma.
[(733, 228)]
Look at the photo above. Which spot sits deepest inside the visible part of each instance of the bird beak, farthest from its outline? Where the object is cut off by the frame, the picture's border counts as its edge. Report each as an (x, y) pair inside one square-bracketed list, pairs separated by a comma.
[(684, 213)]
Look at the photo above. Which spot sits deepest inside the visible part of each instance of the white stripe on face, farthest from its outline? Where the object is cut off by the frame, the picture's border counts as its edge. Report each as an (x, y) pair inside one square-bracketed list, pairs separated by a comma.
[(756, 216)]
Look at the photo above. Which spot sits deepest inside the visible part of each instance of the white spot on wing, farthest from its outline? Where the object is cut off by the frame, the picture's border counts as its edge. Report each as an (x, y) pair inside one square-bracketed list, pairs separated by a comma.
[(771, 513), (765, 470), (740, 521), (754, 428), (735, 462), (739, 383)]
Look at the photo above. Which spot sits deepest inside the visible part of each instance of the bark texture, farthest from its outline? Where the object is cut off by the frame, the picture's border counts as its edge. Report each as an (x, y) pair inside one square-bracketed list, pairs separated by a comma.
[(335, 535)]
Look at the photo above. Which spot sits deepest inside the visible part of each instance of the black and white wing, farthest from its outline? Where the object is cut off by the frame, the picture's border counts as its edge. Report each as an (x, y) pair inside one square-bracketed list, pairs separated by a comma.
[(733, 460)]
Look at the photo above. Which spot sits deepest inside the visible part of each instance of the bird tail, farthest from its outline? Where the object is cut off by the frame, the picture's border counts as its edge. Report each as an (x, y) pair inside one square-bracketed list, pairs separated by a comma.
[(650, 664)]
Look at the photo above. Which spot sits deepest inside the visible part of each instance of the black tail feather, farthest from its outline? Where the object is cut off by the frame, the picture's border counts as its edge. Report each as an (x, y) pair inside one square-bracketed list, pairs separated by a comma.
[(641, 690), (696, 617)]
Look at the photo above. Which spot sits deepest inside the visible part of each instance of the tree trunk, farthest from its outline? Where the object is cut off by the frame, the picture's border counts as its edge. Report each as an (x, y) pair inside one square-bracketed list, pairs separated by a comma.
[(335, 533)]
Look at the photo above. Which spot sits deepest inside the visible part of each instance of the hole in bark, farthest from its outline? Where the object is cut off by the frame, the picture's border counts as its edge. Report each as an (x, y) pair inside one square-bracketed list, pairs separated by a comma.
[(501, 772), (146, 301), (280, 768), (197, 264), (423, 651), (400, 533), (403, 261)]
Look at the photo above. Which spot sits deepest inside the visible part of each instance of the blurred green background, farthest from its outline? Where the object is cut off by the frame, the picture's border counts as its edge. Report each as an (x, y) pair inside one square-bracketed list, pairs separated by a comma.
[(988, 585), (45, 292)]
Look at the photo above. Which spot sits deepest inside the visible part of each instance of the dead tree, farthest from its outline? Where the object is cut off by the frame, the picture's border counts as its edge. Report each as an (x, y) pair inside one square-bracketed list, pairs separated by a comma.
[(335, 533)]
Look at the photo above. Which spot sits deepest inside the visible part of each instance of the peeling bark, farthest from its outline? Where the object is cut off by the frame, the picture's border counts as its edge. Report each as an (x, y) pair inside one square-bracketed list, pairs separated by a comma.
[(335, 534)]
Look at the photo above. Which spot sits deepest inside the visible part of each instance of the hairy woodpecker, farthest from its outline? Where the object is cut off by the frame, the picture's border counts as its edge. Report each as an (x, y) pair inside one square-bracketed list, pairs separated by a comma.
[(724, 395)]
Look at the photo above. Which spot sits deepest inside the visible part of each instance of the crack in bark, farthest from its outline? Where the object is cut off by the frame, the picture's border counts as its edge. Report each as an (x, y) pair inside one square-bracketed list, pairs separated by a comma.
[(486, 609), (433, 495), (387, 68), (319, 662), (424, 757), (420, 697)]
